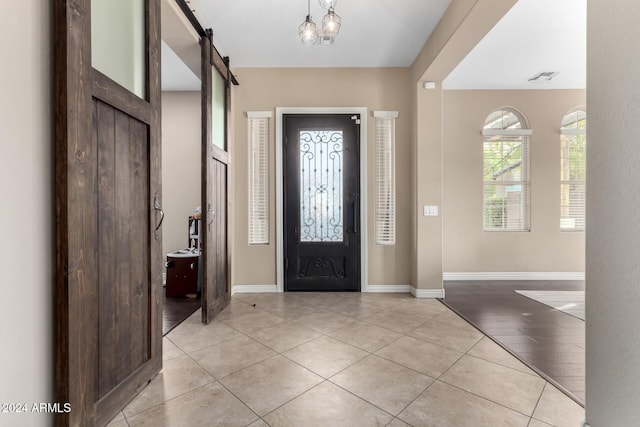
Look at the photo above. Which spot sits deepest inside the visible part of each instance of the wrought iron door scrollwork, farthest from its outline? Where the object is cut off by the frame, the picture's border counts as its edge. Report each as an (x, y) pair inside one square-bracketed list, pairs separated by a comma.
[(326, 267), (321, 186)]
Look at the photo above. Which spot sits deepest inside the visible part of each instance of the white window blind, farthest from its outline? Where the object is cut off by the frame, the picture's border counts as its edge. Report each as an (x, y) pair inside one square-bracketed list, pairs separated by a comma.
[(385, 177), (258, 177), (573, 168), (506, 172)]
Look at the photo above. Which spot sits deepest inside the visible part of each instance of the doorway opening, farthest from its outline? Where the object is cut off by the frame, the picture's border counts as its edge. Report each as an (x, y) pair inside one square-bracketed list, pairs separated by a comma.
[(181, 189), (202, 217)]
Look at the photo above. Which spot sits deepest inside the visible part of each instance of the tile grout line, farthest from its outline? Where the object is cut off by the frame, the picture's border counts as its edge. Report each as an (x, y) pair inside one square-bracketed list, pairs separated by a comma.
[(225, 387), (215, 379), (534, 374), (294, 397), (558, 317), (460, 388), (166, 401), (391, 361), (369, 353), (363, 399), (538, 401), (432, 383), (328, 379), (256, 363), (483, 397)]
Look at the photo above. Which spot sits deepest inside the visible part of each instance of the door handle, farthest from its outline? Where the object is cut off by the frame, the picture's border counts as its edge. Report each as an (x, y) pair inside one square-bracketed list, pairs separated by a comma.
[(156, 206), (212, 216), (355, 217)]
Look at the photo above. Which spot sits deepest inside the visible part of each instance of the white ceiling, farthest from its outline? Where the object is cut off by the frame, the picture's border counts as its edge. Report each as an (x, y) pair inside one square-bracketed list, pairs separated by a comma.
[(534, 36), (374, 33)]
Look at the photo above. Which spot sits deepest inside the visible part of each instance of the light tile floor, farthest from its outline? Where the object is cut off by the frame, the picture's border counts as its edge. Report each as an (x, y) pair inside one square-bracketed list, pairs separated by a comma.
[(342, 359)]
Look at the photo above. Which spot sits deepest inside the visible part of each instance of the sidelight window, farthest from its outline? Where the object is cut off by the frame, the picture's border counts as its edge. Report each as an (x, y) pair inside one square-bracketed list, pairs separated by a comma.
[(385, 177), (258, 177)]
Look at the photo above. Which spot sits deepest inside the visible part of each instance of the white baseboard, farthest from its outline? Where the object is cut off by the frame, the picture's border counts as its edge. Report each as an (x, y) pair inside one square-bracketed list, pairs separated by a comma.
[(389, 288), (254, 289), (507, 275), (418, 293), (427, 293)]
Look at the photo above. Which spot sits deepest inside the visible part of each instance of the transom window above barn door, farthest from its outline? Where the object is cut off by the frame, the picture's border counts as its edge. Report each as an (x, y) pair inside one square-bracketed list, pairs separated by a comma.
[(573, 169), (506, 171), (118, 42), (218, 110)]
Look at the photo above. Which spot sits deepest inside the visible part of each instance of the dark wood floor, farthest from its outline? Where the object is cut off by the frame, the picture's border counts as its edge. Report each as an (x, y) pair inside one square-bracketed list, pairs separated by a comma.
[(551, 342), (175, 310)]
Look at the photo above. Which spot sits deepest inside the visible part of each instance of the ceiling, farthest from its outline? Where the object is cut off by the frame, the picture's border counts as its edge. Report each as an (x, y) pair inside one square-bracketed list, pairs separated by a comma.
[(533, 37), (374, 33)]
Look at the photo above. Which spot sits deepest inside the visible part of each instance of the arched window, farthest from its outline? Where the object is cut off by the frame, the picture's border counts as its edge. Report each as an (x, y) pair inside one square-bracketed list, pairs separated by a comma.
[(573, 169), (506, 171)]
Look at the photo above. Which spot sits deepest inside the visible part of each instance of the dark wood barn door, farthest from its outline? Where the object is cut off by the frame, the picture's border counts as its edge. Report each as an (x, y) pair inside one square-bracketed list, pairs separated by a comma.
[(216, 86), (108, 207), (322, 202)]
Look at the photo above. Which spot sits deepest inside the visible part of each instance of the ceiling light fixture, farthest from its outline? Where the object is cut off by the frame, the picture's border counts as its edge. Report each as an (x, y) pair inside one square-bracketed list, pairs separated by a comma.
[(331, 23), (308, 31), (328, 4)]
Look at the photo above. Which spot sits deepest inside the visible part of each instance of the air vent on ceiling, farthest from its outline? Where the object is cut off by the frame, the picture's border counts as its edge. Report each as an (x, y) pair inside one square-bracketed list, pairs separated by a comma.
[(543, 77)]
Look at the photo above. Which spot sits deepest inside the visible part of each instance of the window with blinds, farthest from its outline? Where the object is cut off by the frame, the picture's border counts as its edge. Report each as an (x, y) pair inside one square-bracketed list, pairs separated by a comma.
[(573, 169), (506, 172), (385, 200), (258, 177)]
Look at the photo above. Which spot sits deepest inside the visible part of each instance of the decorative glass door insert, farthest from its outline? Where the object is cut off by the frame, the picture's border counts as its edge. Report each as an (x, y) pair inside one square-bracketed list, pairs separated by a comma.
[(321, 185)]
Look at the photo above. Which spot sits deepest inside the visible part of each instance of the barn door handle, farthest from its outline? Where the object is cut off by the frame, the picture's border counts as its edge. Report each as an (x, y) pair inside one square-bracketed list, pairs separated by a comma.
[(156, 206), (213, 215), (355, 217)]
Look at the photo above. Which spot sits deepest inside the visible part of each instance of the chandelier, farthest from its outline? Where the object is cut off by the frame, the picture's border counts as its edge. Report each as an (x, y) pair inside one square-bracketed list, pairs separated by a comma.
[(308, 30)]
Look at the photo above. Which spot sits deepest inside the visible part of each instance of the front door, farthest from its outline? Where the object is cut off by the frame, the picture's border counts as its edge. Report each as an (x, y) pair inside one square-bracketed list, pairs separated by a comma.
[(322, 202), (108, 205)]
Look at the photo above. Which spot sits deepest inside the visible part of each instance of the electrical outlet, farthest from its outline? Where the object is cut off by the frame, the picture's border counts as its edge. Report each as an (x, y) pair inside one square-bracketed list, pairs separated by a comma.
[(430, 210)]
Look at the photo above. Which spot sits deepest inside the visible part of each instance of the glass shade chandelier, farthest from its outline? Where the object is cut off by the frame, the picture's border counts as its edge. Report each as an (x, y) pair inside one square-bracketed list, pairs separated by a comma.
[(328, 4), (308, 30)]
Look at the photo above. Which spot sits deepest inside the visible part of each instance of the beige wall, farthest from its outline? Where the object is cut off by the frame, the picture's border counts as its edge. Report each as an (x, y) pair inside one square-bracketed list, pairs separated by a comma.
[(27, 214), (464, 24), (613, 206), (466, 248), (376, 89), (428, 188), (181, 152)]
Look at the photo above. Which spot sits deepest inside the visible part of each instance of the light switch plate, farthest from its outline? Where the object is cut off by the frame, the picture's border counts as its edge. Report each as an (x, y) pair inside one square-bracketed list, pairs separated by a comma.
[(430, 210)]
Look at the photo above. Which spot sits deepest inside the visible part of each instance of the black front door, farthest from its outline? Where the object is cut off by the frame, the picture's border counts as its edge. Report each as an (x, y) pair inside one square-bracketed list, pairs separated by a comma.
[(322, 202)]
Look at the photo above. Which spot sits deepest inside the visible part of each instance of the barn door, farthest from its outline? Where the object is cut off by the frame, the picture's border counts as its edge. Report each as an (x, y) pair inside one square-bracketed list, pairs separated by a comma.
[(215, 179), (108, 205)]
